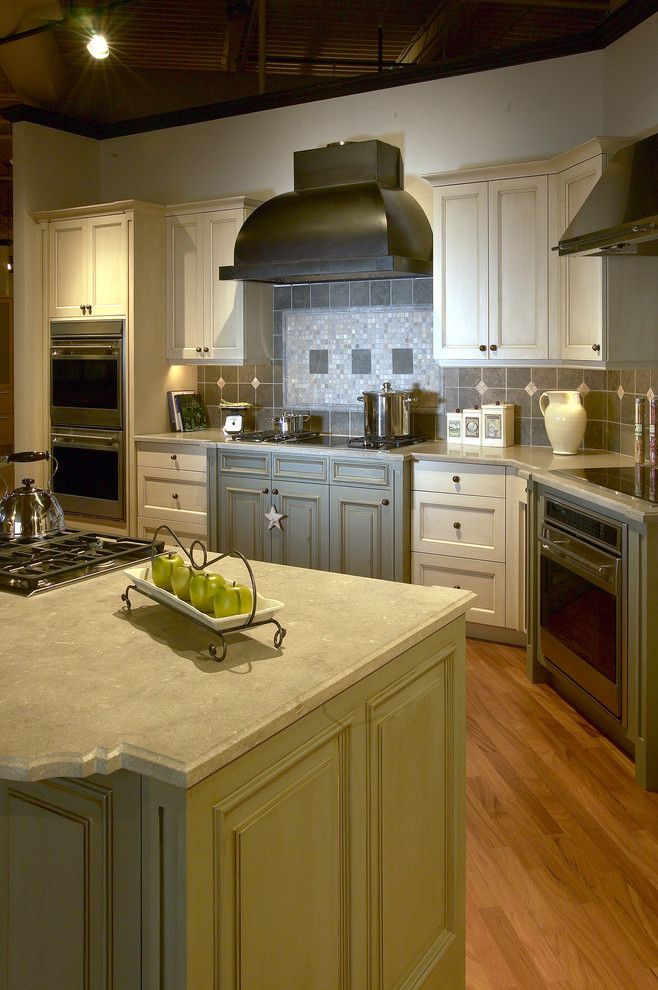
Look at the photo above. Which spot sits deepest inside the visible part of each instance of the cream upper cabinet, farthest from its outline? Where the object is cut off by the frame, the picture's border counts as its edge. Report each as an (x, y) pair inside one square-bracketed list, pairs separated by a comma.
[(224, 322), (491, 270), (581, 281), (88, 267)]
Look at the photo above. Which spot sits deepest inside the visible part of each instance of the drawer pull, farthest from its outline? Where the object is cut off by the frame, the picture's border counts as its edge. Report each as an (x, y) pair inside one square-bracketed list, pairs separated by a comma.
[(483, 347), (175, 496), (456, 479), (457, 525), (265, 491), (173, 457), (385, 501), (493, 347), (457, 586)]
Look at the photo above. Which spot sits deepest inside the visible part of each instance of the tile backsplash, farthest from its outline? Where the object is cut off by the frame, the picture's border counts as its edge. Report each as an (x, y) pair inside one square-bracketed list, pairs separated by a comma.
[(332, 340)]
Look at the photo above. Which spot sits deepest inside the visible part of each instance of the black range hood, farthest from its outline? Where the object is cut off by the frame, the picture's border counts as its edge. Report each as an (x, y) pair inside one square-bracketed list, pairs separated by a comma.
[(348, 218), (620, 215)]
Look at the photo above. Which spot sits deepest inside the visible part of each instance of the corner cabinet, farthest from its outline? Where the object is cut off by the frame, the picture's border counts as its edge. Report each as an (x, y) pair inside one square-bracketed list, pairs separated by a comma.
[(223, 322)]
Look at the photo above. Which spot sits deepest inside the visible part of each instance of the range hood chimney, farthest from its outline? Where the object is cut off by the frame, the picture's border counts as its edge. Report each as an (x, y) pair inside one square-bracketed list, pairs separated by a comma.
[(348, 218), (620, 215)]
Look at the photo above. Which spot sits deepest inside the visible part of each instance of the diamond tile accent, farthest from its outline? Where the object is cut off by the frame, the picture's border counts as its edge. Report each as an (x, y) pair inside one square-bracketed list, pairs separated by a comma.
[(620, 392), (481, 387), (531, 388), (221, 383), (651, 394), (583, 389), (255, 382)]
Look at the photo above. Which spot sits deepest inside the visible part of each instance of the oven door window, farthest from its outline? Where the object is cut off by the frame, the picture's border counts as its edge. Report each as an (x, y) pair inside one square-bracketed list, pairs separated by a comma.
[(580, 616), (86, 472), (86, 383)]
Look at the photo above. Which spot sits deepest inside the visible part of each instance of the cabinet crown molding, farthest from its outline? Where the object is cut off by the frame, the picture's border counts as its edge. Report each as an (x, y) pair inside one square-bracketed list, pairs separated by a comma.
[(123, 206), (540, 166), (210, 205)]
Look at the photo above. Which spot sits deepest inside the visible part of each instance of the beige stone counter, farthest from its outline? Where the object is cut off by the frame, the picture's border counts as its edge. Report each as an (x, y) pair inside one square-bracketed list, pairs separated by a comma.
[(87, 688)]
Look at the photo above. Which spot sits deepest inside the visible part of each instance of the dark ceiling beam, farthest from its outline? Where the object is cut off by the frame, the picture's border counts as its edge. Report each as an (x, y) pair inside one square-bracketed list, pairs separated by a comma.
[(600, 5), (429, 37)]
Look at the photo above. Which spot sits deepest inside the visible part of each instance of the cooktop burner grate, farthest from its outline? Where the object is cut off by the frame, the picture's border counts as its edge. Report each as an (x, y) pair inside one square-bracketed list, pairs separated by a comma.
[(384, 443), (30, 565), (274, 436)]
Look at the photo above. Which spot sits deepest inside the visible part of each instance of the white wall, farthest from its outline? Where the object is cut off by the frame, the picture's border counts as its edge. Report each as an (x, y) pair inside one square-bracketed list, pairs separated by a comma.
[(51, 170), (630, 93)]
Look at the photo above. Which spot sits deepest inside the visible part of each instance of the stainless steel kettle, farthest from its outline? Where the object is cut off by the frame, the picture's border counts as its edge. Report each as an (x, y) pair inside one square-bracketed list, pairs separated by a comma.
[(28, 511)]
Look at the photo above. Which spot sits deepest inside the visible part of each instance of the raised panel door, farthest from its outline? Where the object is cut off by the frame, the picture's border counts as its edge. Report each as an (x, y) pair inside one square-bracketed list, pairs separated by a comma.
[(303, 538), (518, 268), (362, 532), (243, 504), (460, 271), (462, 525), (107, 244), (68, 268), (185, 287), (223, 298), (484, 578), (580, 280)]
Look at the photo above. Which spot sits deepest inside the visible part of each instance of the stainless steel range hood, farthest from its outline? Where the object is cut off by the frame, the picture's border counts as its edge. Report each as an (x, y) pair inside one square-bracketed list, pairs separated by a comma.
[(620, 215), (348, 218)]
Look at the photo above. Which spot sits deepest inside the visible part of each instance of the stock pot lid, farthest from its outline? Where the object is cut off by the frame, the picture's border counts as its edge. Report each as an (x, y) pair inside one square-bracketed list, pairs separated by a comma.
[(386, 389)]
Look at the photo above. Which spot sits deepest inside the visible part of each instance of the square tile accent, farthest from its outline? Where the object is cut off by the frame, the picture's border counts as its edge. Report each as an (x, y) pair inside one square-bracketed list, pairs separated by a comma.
[(401, 292), (318, 362), (620, 392), (380, 292), (481, 387), (403, 361), (220, 383), (531, 388), (339, 294), (361, 361), (255, 383), (359, 293), (583, 389)]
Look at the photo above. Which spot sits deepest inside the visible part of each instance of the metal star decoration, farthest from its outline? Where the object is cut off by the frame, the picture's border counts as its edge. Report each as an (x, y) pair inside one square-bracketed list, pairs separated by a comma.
[(274, 518)]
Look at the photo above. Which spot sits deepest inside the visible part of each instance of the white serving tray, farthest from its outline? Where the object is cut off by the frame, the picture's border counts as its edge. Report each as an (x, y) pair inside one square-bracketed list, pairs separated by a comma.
[(140, 575)]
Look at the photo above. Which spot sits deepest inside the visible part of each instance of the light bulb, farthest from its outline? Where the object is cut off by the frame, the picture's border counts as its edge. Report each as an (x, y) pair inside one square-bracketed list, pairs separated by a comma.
[(97, 46)]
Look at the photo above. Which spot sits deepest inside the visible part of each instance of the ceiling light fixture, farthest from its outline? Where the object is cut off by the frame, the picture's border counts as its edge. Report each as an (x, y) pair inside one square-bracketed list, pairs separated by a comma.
[(97, 46)]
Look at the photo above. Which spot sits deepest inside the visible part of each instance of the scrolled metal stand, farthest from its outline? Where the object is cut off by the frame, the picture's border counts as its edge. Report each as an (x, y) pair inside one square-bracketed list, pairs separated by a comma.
[(280, 633)]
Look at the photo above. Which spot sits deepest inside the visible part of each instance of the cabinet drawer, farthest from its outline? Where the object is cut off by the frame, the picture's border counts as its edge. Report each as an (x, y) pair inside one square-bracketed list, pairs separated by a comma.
[(293, 467), (256, 464), (459, 525), (484, 578), (459, 479), (360, 471), (185, 530), (159, 492), (177, 457)]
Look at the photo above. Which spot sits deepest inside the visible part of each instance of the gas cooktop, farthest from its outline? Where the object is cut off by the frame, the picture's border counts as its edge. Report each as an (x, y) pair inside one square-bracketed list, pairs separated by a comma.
[(327, 440), (640, 481), (31, 565)]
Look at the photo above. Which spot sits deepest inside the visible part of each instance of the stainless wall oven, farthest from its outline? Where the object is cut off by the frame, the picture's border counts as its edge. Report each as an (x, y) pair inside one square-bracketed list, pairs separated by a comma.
[(582, 601), (87, 403)]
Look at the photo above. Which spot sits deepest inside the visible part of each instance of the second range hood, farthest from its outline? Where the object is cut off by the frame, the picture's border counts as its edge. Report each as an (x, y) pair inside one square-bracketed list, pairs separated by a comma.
[(348, 218), (620, 215)]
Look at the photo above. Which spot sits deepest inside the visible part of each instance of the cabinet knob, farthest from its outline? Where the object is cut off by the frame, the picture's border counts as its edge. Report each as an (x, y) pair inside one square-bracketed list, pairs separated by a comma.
[(275, 491), (493, 347), (457, 586), (596, 348), (89, 310), (265, 491), (175, 496), (457, 525), (198, 350), (483, 347), (206, 350), (82, 310), (385, 501), (456, 478), (173, 457)]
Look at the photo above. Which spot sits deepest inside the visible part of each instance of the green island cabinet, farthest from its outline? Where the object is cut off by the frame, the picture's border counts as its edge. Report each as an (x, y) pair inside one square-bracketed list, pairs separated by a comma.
[(347, 514)]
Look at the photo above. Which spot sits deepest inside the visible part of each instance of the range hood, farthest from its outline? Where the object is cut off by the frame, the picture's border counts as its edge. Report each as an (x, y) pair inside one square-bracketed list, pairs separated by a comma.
[(620, 215), (348, 218)]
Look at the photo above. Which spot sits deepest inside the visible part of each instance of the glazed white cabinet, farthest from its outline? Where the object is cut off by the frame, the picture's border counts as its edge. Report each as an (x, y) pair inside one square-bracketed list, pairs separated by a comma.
[(88, 267), (208, 319), (491, 270)]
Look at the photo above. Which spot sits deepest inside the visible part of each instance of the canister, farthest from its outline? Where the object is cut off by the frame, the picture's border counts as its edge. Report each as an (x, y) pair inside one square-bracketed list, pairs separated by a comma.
[(454, 426), (498, 424), (472, 426)]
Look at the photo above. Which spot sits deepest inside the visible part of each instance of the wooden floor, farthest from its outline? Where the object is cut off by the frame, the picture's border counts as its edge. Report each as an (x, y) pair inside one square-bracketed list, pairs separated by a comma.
[(562, 845)]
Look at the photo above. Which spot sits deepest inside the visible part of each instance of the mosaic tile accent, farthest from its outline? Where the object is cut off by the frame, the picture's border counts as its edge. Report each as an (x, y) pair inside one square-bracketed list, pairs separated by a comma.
[(403, 361), (361, 361), (379, 330), (318, 362)]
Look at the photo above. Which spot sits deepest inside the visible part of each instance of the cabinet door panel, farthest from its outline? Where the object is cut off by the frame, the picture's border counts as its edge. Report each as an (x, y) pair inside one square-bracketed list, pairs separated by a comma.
[(68, 268), (185, 287), (518, 266), (108, 266), (224, 299), (460, 271), (581, 292), (303, 540), (243, 525), (362, 532)]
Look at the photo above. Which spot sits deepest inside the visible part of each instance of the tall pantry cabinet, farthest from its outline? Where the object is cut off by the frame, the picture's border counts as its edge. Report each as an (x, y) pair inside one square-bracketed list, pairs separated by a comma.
[(109, 261)]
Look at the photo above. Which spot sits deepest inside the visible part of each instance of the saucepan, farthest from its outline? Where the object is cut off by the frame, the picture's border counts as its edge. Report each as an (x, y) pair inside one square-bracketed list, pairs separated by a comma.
[(290, 422), (28, 511)]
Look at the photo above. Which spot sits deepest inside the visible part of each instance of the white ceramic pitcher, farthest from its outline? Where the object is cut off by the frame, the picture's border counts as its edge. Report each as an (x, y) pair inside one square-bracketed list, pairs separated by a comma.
[(565, 420)]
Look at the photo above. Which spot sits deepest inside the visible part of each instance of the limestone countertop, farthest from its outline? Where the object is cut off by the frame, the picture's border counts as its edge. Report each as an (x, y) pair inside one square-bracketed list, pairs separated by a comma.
[(87, 688)]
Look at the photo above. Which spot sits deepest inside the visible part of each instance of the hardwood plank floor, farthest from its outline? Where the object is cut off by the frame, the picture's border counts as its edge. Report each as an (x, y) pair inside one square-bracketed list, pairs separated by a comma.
[(562, 845)]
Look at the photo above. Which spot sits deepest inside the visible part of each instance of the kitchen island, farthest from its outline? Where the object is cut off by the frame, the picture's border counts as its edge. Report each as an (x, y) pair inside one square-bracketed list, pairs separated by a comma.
[(288, 818)]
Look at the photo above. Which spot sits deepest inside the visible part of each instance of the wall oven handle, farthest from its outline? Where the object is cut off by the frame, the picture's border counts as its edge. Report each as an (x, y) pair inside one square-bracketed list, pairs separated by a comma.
[(606, 573), (86, 439)]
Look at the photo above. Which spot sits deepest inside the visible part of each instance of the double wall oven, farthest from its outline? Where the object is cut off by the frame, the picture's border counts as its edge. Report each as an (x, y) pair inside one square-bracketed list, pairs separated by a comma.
[(87, 415), (582, 603)]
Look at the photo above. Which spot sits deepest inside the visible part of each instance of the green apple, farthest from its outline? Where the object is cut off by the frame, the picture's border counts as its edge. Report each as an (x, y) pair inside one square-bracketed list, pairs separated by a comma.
[(180, 582), (232, 600), (202, 590), (163, 567)]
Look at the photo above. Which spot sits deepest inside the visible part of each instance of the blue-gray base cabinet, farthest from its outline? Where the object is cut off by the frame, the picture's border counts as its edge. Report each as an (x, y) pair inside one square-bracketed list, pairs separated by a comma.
[(339, 513)]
